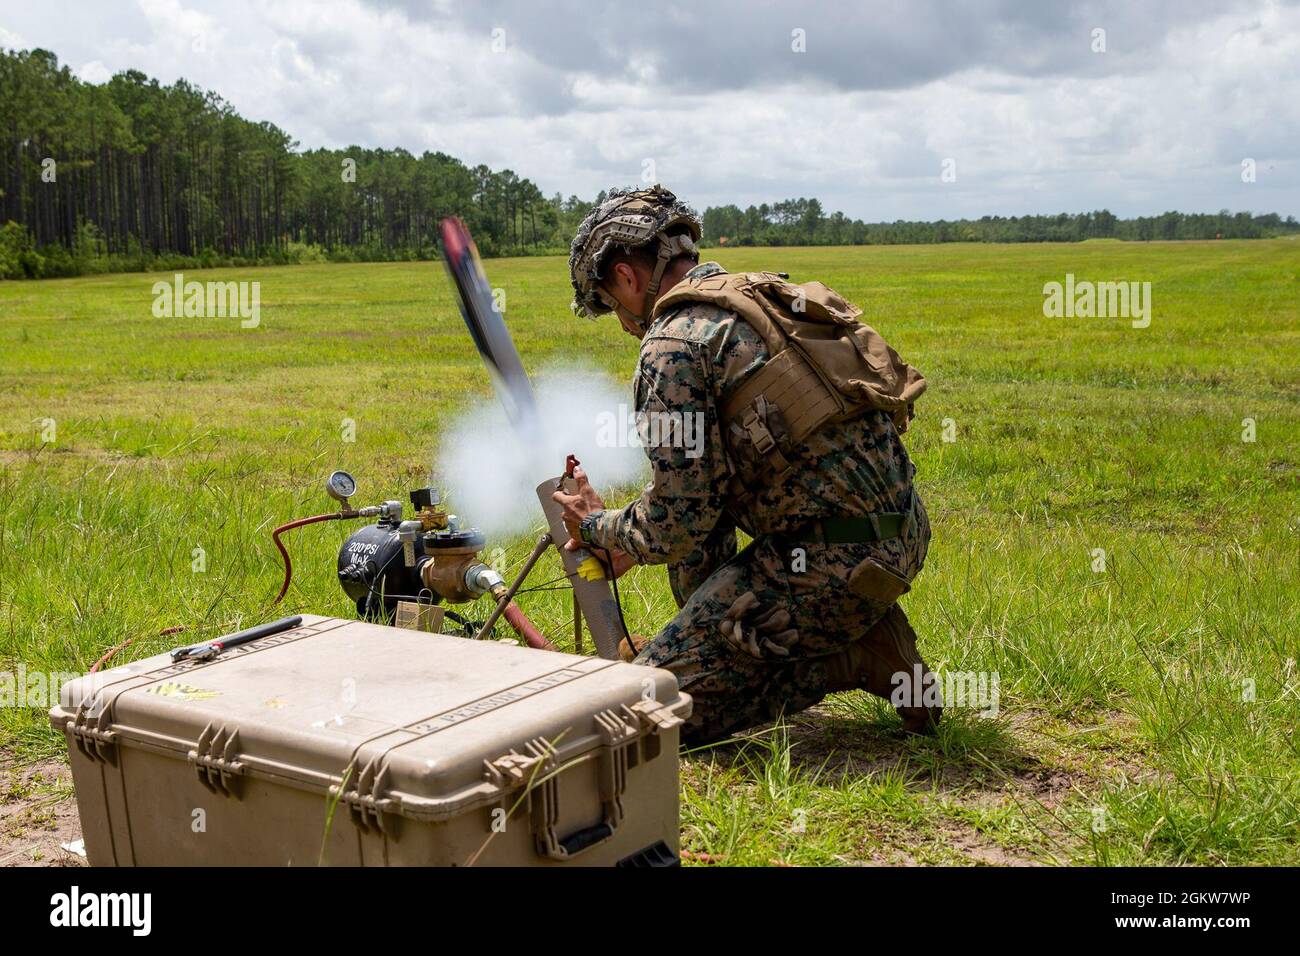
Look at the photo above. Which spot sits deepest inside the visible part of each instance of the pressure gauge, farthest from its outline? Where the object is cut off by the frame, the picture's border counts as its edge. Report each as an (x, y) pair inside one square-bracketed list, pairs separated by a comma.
[(341, 486)]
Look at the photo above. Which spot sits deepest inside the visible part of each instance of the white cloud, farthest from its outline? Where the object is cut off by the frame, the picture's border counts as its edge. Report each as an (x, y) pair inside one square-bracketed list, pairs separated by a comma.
[(94, 72), (1034, 120), (12, 41)]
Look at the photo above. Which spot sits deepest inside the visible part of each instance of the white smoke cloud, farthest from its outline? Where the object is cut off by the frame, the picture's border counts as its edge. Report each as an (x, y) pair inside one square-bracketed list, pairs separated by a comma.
[(489, 473)]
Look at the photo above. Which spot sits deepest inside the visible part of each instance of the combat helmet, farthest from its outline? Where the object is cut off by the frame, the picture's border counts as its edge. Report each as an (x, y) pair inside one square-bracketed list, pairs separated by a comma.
[(628, 219)]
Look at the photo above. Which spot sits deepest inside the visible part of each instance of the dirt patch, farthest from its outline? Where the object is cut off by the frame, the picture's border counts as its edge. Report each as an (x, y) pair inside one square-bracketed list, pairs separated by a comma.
[(835, 746), (1108, 746), (38, 814), (981, 851), (1002, 793)]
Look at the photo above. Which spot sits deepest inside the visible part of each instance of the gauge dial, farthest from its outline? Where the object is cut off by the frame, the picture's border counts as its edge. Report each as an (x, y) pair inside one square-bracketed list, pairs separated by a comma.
[(341, 486)]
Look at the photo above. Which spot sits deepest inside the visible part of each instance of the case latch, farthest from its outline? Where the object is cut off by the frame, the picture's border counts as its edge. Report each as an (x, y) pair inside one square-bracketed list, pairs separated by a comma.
[(655, 716), (513, 769)]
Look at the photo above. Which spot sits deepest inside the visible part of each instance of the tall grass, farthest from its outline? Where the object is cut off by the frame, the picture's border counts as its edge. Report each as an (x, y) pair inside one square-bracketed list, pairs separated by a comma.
[(1105, 541)]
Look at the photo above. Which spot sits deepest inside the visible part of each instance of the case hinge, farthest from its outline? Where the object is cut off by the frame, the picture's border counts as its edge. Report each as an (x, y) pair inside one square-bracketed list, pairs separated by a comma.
[(363, 800), (215, 759), (95, 742)]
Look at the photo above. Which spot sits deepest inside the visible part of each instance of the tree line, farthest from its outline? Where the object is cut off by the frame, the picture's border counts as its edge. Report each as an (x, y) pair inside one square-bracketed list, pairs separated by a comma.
[(802, 222), (134, 175)]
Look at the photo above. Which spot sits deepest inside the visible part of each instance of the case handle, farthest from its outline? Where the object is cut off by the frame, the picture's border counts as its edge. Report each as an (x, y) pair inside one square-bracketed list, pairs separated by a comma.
[(546, 809), (619, 737), (585, 839)]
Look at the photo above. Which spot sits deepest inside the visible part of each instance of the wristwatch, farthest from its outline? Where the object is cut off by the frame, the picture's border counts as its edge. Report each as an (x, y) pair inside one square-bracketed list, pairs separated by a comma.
[(587, 526)]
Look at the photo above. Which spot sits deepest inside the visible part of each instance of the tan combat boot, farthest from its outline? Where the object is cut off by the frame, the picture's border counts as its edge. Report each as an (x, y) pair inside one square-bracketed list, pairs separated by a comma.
[(628, 653), (871, 662)]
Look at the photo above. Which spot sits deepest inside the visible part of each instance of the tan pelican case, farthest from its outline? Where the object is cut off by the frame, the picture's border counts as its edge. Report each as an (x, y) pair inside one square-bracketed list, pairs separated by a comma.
[(348, 743)]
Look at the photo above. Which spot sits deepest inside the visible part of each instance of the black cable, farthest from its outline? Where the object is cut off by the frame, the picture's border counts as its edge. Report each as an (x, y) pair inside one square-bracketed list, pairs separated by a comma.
[(379, 576), (545, 585), (371, 593), (471, 627), (618, 602)]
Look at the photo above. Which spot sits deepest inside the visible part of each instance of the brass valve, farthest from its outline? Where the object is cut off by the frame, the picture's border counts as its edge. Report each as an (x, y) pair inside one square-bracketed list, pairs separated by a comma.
[(457, 575)]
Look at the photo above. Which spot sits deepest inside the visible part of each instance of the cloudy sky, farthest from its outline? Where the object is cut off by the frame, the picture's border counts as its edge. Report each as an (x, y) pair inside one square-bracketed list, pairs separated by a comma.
[(861, 104)]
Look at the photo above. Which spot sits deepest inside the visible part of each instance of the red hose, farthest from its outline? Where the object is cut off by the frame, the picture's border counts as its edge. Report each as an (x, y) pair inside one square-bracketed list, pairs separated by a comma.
[(525, 629), (288, 563), (108, 656), (515, 617)]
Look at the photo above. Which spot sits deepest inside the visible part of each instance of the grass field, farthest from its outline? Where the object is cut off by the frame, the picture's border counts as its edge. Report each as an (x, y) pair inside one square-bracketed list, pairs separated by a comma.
[(1106, 540)]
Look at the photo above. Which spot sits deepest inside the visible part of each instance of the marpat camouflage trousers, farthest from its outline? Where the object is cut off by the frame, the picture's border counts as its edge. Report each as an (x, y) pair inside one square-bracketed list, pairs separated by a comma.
[(751, 641)]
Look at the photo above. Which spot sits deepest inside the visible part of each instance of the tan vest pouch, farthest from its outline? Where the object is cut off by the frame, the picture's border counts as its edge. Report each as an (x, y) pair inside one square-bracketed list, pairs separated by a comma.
[(823, 365)]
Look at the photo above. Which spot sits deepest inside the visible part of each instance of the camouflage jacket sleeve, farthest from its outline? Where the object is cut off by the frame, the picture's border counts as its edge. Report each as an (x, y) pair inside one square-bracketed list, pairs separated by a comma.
[(684, 358)]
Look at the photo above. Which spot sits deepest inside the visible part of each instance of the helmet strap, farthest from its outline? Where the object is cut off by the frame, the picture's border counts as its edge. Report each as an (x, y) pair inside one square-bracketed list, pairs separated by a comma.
[(670, 247)]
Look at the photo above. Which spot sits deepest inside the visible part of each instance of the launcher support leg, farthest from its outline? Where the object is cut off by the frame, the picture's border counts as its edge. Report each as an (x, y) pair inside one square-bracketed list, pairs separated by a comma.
[(539, 549)]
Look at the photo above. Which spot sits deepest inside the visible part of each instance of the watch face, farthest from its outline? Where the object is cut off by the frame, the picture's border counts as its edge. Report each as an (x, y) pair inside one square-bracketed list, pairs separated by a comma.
[(341, 485)]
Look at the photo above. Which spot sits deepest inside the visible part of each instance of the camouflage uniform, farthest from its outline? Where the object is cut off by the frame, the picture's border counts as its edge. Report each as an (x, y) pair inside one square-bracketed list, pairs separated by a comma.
[(691, 357)]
